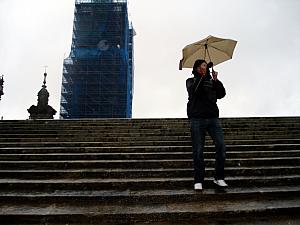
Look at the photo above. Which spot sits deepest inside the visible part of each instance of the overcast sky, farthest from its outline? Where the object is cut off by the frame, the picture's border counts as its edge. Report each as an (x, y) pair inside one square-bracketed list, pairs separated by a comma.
[(262, 79)]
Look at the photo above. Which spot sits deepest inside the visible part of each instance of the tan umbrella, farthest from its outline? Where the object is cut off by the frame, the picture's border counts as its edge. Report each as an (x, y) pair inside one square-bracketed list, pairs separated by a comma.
[(211, 49)]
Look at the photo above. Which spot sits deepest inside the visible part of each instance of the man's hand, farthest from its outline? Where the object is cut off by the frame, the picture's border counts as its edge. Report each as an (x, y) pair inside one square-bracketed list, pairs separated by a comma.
[(215, 75)]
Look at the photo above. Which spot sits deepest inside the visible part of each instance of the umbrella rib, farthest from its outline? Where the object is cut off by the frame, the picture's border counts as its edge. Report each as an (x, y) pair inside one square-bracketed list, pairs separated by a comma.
[(220, 50)]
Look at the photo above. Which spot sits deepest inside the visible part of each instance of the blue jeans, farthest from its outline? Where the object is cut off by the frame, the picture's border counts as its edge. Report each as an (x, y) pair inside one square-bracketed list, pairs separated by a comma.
[(199, 127)]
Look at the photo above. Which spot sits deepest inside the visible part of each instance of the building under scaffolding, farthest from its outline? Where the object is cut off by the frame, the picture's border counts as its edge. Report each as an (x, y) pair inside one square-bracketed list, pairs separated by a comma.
[(98, 74)]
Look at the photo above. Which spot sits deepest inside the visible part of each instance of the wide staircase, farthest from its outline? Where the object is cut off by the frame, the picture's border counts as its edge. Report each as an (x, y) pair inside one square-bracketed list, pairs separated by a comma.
[(140, 171)]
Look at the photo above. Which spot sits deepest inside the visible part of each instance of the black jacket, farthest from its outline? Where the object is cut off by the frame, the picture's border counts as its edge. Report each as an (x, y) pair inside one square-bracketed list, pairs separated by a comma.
[(203, 95)]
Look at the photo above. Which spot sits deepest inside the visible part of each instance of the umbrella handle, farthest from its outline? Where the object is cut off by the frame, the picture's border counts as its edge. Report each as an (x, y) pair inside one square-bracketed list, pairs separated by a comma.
[(206, 50)]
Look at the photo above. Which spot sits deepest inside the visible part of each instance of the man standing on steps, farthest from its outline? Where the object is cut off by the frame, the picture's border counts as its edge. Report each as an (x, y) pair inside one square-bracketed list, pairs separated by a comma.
[(203, 113)]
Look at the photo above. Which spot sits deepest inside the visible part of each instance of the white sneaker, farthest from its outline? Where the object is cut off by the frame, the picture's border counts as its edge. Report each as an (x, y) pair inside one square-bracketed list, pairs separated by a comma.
[(220, 183), (198, 187)]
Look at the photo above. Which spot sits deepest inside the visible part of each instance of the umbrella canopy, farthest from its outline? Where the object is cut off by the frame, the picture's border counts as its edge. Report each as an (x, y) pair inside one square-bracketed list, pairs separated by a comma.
[(211, 49)]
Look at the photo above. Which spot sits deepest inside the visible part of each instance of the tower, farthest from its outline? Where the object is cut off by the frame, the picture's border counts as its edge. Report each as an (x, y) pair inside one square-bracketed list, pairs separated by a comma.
[(98, 74), (42, 110)]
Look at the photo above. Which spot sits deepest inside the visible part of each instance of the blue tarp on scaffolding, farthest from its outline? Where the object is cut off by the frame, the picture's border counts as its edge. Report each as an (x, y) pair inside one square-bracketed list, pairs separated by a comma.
[(98, 74)]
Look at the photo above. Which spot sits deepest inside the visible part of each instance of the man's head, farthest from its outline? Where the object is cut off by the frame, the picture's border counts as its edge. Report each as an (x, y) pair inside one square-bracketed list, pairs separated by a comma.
[(200, 67)]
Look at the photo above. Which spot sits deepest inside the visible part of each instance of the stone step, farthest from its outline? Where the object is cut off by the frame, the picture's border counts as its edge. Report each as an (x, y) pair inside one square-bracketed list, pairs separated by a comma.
[(125, 129), (54, 173), (161, 125), (145, 149), (99, 138), (142, 143), (150, 120), (138, 136), (129, 214), (125, 171), (143, 155), (156, 121), (143, 183), (138, 132), (149, 196), (158, 163), (163, 121), (229, 122)]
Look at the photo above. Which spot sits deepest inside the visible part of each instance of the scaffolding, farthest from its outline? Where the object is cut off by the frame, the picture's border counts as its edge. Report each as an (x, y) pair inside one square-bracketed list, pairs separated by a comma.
[(98, 74)]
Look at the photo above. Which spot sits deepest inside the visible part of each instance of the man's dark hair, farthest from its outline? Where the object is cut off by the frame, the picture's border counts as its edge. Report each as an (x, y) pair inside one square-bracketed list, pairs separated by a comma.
[(197, 63)]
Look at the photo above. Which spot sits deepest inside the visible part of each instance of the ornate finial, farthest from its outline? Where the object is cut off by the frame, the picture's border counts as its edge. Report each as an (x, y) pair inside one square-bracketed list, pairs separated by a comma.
[(45, 75)]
